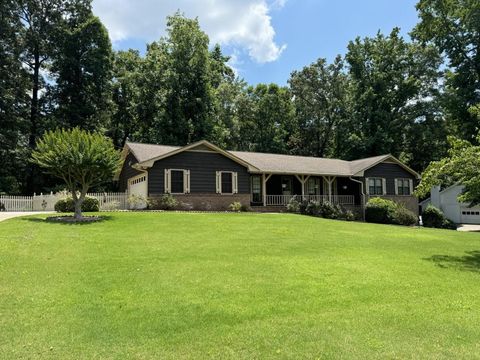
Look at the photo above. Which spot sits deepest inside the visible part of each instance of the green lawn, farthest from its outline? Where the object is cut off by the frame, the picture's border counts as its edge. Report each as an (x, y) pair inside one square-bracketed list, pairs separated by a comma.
[(173, 285)]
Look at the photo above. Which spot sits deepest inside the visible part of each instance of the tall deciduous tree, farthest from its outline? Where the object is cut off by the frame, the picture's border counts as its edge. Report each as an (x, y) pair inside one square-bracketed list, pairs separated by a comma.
[(319, 91), (453, 26), (13, 99), (80, 158), (126, 89), (392, 86)]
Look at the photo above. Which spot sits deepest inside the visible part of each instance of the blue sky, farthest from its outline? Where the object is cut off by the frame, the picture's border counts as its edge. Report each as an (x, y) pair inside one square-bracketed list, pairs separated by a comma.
[(267, 38)]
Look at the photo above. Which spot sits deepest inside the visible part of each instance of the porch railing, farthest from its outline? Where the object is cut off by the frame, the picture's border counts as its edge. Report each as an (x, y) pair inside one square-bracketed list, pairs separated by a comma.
[(283, 200)]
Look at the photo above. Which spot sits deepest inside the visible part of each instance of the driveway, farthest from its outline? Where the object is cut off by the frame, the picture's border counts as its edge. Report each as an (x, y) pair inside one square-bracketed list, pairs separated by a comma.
[(468, 227), (4, 215)]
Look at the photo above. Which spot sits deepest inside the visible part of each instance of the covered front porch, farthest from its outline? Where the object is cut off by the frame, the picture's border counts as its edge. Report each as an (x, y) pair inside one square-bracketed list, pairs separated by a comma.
[(279, 189)]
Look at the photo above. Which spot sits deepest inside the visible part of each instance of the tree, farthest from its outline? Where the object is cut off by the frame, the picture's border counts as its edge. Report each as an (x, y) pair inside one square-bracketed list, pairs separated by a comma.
[(453, 26), (178, 92), (319, 91), (80, 158), (13, 100), (266, 113), (126, 90), (462, 166), (393, 83), (82, 67)]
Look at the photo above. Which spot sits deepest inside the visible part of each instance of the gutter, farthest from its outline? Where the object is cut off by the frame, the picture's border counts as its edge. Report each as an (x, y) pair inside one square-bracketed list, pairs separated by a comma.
[(362, 193)]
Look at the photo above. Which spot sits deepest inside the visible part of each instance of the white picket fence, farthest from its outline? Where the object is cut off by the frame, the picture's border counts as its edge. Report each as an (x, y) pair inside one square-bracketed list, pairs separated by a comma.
[(46, 202)]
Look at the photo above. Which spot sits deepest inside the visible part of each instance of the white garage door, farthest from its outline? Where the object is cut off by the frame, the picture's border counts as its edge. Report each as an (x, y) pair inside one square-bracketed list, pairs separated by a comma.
[(470, 215), (138, 187)]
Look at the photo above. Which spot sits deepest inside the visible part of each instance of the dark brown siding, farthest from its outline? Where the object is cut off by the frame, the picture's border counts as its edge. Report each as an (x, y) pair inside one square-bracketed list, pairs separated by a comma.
[(390, 172), (127, 172), (203, 167)]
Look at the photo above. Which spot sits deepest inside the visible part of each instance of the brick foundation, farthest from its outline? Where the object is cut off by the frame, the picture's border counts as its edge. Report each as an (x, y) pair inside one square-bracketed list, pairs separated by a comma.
[(206, 202)]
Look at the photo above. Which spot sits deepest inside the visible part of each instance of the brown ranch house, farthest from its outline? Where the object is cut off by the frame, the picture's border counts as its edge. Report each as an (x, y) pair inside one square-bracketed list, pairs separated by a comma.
[(202, 176)]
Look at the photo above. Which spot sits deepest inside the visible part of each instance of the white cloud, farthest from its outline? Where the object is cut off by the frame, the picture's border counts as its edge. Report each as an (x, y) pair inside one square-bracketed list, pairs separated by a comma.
[(243, 24)]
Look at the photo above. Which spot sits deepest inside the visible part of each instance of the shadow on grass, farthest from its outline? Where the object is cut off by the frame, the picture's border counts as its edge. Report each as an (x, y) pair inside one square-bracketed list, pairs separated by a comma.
[(469, 262), (101, 218)]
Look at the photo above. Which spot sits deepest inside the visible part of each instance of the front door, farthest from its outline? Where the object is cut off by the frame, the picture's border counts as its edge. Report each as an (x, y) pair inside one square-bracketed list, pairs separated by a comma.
[(286, 185)]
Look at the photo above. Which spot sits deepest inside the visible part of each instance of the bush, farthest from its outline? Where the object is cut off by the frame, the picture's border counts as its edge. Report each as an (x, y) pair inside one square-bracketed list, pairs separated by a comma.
[(90, 204), (434, 218), (302, 207), (403, 216), (164, 202), (380, 211), (236, 206), (136, 201), (330, 211), (347, 215), (293, 206), (313, 208)]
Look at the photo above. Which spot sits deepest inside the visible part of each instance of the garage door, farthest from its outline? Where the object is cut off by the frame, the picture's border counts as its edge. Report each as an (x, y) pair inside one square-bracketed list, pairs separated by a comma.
[(138, 192), (470, 215)]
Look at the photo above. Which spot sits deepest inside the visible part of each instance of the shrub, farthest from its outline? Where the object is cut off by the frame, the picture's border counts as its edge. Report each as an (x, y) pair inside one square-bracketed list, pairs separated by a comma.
[(380, 211), (347, 215), (136, 201), (2, 207), (90, 204), (313, 208), (434, 218), (164, 202), (236, 206), (403, 216), (302, 207), (293, 206), (330, 211)]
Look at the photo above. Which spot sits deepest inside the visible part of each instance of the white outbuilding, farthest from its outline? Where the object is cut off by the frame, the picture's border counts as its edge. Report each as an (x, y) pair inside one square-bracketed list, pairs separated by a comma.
[(447, 201)]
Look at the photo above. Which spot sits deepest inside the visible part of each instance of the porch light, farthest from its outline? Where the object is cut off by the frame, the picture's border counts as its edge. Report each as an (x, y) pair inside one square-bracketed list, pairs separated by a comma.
[(344, 187)]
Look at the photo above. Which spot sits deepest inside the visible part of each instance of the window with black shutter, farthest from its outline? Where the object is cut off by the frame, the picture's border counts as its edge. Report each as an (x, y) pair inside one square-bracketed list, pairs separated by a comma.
[(177, 186), (227, 183)]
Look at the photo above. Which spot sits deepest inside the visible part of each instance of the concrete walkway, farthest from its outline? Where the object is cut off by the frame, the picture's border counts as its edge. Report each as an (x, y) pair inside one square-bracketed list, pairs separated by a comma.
[(4, 215), (468, 227)]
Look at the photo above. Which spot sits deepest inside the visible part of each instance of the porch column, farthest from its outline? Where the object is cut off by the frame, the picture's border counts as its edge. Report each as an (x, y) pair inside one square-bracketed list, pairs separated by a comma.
[(329, 180), (264, 190), (303, 180)]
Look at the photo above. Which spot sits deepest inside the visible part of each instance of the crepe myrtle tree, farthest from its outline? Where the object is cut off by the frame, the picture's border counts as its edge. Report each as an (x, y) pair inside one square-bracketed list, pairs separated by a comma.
[(80, 158)]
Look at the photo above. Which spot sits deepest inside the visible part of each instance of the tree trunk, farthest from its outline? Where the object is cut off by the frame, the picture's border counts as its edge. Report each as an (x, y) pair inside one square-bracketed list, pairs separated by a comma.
[(78, 201), (33, 120)]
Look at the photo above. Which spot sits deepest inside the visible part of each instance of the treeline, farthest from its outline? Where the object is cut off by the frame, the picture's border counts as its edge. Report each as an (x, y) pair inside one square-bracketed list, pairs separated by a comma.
[(386, 95)]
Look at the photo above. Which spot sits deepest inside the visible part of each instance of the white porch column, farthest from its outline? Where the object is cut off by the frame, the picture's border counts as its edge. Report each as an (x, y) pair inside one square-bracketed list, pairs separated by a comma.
[(329, 180), (264, 190)]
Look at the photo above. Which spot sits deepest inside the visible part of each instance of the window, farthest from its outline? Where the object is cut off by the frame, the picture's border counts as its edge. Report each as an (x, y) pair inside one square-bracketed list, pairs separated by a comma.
[(177, 181), (375, 186), (403, 186), (256, 189), (313, 186), (227, 182)]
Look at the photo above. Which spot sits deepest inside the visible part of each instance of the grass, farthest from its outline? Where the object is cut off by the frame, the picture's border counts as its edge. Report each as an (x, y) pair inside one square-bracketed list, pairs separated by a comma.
[(171, 285)]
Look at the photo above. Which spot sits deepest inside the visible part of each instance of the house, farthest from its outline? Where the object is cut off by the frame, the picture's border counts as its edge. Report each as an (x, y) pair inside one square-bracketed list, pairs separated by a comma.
[(447, 201), (204, 176)]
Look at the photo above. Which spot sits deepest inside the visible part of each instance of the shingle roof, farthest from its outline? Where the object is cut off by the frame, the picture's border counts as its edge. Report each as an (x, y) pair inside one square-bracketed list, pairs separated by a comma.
[(144, 152), (274, 163)]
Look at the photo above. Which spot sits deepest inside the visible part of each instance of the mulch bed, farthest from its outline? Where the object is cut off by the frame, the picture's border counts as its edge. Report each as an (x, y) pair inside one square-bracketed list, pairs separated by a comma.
[(72, 220)]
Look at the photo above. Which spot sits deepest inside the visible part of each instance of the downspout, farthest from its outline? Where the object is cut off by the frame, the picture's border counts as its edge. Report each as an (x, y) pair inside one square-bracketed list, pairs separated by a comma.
[(362, 194)]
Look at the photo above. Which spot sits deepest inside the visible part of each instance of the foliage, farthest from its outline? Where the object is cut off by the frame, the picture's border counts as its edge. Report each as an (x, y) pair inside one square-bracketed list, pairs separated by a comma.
[(403, 216), (319, 92), (313, 208), (165, 202), (236, 206), (434, 218), (293, 205), (81, 159), (462, 166), (382, 211), (89, 204), (136, 202), (453, 26)]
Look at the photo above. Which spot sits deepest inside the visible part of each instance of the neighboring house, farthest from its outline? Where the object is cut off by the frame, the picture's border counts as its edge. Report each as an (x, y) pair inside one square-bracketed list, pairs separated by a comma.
[(447, 201), (206, 177)]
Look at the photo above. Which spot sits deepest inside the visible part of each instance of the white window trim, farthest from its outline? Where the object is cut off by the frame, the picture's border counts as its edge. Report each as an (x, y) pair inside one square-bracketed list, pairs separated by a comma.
[(410, 186), (218, 182), (168, 181), (384, 185), (133, 180)]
